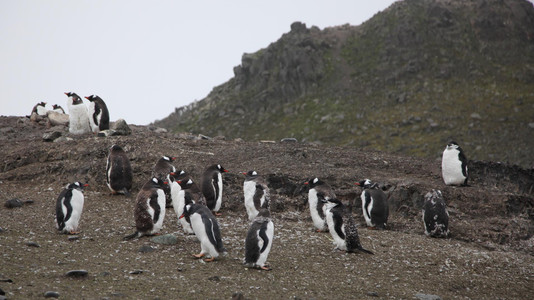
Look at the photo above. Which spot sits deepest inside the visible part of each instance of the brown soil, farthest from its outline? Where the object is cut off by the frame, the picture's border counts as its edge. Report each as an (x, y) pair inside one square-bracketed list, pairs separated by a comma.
[(488, 256)]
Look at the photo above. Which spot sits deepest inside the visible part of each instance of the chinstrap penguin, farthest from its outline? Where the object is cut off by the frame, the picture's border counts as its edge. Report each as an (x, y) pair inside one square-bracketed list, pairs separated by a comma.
[(78, 116), (98, 113), (212, 187), (150, 209), (435, 215), (375, 206), (162, 169), (256, 193), (207, 231), (318, 192), (119, 174), (179, 201), (69, 207), (259, 240), (454, 165), (342, 227)]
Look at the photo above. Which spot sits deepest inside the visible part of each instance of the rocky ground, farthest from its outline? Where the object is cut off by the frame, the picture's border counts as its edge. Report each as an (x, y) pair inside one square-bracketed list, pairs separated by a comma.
[(489, 255)]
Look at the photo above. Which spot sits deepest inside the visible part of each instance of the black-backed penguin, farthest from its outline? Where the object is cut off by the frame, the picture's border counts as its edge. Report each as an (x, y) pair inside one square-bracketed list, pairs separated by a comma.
[(342, 227), (78, 117), (435, 215), (162, 169), (212, 187), (454, 165), (39, 109), (318, 192), (57, 108), (256, 193), (98, 113), (119, 174), (179, 201), (375, 206), (259, 240), (69, 207), (150, 209), (206, 229)]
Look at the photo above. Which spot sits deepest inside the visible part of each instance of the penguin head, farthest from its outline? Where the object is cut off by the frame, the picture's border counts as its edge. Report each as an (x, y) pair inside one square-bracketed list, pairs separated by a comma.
[(221, 169), (433, 196), (452, 145), (55, 106), (92, 98), (250, 174), (75, 98), (186, 183), (168, 158), (43, 104), (313, 182), (157, 183), (187, 211), (179, 175), (367, 184), (77, 186)]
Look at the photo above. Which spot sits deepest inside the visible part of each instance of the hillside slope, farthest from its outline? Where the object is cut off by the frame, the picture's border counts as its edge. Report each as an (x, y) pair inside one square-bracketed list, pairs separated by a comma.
[(406, 81)]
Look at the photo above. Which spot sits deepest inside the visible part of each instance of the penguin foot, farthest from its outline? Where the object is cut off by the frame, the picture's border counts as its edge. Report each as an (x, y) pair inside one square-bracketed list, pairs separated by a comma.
[(209, 259), (217, 214), (73, 232), (265, 268), (200, 255)]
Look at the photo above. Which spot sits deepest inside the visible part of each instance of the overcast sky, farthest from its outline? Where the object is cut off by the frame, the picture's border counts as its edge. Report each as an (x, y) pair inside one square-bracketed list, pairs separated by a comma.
[(144, 58)]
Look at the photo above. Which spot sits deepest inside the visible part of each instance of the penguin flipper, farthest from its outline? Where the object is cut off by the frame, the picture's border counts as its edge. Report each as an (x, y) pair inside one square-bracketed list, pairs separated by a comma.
[(264, 237)]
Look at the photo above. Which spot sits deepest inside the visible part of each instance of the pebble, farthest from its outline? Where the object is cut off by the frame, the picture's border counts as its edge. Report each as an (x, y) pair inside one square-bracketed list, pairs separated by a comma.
[(372, 294), (73, 237), (51, 136), (135, 272), (33, 244), (29, 202), (51, 294), (167, 239), (146, 249), (288, 140), (12, 203), (214, 278), (427, 297), (77, 273)]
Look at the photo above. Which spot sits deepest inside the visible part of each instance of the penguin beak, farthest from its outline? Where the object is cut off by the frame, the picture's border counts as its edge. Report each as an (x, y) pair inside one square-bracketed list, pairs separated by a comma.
[(86, 185), (244, 173), (357, 183), (86, 97), (183, 215), (66, 93), (306, 183), (225, 171)]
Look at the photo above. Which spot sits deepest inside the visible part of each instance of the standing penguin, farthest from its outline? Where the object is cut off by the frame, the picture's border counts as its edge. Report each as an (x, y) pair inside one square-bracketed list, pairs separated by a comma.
[(179, 201), (58, 109), (342, 227), (118, 171), (454, 165), (256, 193), (98, 113), (192, 191), (39, 109), (78, 118), (161, 170), (150, 209), (69, 207), (318, 192), (206, 229), (375, 206), (435, 215), (212, 187), (259, 240)]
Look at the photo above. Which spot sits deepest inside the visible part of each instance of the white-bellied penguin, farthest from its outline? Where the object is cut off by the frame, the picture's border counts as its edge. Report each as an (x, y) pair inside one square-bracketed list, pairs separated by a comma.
[(39, 109), (57, 108), (119, 174), (259, 240), (179, 200), (256, 193), (98, 113), (375, 206), (435, 215), (69, 207), (162, 169), (212, 187), (318, 192), (78, 116), (454, 165)]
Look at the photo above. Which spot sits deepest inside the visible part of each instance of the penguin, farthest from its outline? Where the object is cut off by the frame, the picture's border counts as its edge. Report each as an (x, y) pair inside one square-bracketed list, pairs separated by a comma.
[(78, 119), (256, 193), (162, 168), (212, 187), (179, 201), (454, 165), (435, 215), (118, 171), (259, 240), (39, 109), (375, 206), (69, 207), (98, 113), (192, 191), (207, 231), (342, 227), (319, 191), (58, 109), (150, 209)]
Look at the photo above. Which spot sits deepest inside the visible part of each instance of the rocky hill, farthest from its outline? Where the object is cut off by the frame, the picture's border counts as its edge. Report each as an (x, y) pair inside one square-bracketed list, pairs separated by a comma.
[(406, 81)]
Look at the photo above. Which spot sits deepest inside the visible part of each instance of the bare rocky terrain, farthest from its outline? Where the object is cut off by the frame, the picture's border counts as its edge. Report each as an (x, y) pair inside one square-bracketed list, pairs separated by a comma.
[(489, 255)]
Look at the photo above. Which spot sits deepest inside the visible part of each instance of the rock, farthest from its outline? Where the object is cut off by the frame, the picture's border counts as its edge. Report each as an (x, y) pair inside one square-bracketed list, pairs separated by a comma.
[(29, 202), (63, 139), (51, 136), (204, 137), (167, 239), (372, 294), (146, 249), (288, 140), (73, 237), (1, 230), (238, 296), (51, 294), (107, 132), (6, 130), (214, 278), (160, 130), (121, 127), (55, 118), (77, 273), (531, 125), (427, 297), (33, 244), (13, 203), (136, 272)]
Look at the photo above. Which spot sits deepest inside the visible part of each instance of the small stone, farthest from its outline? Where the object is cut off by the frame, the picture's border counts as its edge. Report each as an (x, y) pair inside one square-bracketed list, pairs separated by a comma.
[(51, 136), (136, 272), (427, 297), (167, 239), (204, 137), (73, 237), (288, 140), (146, 249), (29, 202), (51, 294), (476, 116), (107, 132), (531, 125), (33, 244), (214, 278), (12, 203), (372, 294), (77, 273), (160, 130)]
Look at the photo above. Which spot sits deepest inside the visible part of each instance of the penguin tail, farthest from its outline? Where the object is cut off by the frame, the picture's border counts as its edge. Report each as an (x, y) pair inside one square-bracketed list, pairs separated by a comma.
[(126, 192), (366, 251), (131, 236)]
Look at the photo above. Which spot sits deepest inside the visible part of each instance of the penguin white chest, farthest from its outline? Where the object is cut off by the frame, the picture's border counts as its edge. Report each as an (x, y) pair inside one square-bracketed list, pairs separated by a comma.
[(249, 189), (219, 194), (78, 119), (451, 167), (202, 232), (41, 110), (91, 115), (367, 208), (270, 234), (313, 200), (76, 203), (338, 241)]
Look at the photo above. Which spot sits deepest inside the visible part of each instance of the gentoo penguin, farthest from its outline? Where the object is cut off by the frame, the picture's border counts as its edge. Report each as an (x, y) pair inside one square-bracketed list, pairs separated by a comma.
[(259, 240), (98, 113), (162, 169), (319, 191), (179, 201), (118, 171), (58, 109), (69, 207), (192, 191), (206, 229), (39, 109), (375, 206), (342, 227), (256, 193), (150, 209), (212, 187), (435, 215), (454, 165), (78, 118)]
